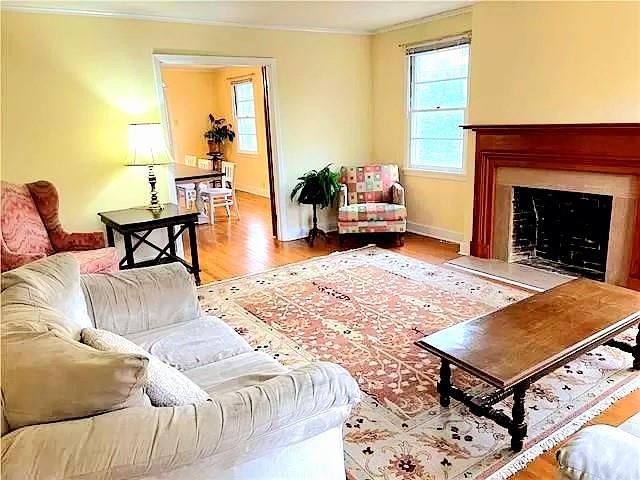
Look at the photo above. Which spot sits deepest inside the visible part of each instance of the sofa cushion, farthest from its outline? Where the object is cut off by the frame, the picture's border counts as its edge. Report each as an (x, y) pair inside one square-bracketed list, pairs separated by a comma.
[(234, 373), (371, 212), (165, 385), (52, 284), (22, 228), (632, 425), (600, 452), (141, 299), (192, 344), (48, 377), (98, 260)]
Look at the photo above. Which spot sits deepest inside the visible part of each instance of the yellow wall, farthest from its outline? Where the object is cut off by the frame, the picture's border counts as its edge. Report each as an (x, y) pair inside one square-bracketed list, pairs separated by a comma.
[(252, 173), (73, 83), (531, 62), (433, 204), (190, 97)]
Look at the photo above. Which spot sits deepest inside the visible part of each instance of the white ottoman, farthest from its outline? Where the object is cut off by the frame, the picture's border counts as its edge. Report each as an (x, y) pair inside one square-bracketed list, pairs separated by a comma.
[(603, 452)]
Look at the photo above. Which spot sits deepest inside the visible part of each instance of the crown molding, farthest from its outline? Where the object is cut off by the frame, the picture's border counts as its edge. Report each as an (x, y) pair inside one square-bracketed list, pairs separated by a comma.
[(418, 21), (13, 7)]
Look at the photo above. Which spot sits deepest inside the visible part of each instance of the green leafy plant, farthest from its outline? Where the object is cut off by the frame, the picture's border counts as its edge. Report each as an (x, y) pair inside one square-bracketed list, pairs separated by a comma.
[(317, 187), (219, 131)]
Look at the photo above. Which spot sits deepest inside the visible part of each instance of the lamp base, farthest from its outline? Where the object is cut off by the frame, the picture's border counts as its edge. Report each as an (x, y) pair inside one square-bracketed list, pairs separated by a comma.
[(155, 205), (155, 208)]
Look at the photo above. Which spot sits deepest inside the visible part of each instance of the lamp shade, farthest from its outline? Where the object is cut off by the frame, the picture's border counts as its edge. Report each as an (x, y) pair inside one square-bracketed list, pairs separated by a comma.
[(146, 145)]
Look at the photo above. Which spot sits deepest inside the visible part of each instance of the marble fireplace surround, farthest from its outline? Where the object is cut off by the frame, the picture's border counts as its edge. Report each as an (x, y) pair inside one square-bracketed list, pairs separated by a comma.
[(623, 188), (591, 158)]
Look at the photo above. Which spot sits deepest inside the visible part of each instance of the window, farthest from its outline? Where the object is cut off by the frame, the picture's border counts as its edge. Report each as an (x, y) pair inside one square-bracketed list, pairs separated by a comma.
[(245, 112), (437, 106)]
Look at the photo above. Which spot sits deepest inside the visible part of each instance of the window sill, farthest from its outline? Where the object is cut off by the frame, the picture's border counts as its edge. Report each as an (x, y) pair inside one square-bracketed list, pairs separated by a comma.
[(418, 172)]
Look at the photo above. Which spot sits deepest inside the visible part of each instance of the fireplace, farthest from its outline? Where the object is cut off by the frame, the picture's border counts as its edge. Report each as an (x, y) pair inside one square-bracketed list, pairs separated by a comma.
[(586, 167), (560, 231)]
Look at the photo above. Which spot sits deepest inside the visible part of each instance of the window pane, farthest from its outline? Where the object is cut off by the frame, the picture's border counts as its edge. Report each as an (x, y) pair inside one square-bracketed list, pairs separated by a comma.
[(444, 154), (437, 124), (445, 94), (247, 126), (243, 91), (441, 64), (245, 109), (248, 143)]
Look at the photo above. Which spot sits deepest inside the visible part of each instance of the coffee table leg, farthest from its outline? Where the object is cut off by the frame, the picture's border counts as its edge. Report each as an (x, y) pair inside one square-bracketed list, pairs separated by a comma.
[(518, 428), (444, 385), (636, 353)]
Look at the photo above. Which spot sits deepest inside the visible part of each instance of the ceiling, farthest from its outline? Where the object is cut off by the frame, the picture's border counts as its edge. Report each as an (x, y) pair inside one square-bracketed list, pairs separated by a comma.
[(335, 16)]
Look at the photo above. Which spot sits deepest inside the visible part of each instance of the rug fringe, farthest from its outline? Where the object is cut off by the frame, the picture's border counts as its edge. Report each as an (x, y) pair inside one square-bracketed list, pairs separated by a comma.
[(523, 459)]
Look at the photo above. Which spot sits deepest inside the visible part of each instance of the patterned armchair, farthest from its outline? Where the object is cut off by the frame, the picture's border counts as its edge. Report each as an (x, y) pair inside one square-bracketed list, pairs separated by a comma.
[(371, 200), (30, 229)]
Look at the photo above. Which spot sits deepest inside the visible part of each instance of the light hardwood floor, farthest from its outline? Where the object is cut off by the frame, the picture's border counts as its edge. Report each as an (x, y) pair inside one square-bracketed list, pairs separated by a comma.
[(231, 248)]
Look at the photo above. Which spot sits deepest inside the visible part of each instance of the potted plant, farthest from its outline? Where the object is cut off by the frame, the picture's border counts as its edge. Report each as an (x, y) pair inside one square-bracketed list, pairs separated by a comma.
[(219, 132), (317, 188)]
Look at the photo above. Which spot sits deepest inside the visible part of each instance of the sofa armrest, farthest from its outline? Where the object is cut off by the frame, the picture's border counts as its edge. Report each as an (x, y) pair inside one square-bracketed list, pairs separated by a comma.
[(397, 194), (600, 451), (246, 423), (131, 301), (342, 196)]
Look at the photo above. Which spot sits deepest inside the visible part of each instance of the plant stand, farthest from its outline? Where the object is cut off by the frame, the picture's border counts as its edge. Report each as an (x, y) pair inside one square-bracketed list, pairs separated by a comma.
[(315, 231)]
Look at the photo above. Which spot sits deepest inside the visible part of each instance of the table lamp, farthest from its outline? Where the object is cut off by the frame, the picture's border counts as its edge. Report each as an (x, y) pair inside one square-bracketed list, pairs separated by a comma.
[(147, 148)]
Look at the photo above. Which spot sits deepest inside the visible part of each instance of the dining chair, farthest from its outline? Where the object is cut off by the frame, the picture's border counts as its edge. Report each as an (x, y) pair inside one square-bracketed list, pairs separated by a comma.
[(205, 164), (188, 190), (224, 196)]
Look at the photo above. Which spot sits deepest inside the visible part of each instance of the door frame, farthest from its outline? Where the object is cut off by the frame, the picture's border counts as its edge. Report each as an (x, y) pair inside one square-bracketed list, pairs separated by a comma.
[(275, 159)]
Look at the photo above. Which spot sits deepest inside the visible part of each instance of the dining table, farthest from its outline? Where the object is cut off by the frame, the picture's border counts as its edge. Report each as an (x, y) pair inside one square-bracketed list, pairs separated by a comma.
[(184, 173)]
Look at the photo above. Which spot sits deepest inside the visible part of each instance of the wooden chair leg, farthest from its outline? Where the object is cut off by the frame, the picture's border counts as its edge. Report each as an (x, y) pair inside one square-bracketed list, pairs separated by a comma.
[(235, 206)]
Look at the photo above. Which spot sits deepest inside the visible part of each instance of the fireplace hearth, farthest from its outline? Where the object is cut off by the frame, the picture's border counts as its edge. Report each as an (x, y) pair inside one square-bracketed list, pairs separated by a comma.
[(561, 231)]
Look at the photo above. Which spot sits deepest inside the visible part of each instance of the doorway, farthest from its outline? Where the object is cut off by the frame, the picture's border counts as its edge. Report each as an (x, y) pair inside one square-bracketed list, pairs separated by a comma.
[(240, 91)]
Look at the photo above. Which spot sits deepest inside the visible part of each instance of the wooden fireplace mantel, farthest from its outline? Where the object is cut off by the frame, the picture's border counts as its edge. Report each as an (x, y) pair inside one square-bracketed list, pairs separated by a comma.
[(612, 148)]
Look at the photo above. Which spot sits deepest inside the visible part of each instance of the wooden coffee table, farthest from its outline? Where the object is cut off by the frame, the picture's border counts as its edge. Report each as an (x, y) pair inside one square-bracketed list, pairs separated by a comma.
[(513, 347)]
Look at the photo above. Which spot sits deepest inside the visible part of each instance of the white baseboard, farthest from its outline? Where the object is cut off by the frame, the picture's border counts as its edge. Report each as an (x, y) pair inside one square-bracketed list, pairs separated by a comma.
[(435, 232), (261, 192), (465, 248)]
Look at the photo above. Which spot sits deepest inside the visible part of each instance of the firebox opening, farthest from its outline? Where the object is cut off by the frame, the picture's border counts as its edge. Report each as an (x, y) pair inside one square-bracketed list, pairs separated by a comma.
[(565, 232)]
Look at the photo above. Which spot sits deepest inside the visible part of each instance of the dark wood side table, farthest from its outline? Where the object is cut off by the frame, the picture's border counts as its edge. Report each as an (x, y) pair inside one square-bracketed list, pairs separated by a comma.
[(136, 224)]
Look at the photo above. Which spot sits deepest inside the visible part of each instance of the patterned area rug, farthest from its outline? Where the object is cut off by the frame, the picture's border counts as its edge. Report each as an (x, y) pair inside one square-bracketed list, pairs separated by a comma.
[(364, 309)]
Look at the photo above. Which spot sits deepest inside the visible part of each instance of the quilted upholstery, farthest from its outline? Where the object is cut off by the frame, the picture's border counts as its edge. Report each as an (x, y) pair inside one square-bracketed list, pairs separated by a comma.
[(31, 229), (371, 199), (371, 183), (372, 212)]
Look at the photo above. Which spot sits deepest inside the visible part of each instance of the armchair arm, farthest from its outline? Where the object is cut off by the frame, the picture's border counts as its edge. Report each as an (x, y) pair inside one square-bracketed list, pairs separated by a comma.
[(247, 423), (131, 301), (342, 196), (10, 260), (63, 241), (397, 193), (45, 197)]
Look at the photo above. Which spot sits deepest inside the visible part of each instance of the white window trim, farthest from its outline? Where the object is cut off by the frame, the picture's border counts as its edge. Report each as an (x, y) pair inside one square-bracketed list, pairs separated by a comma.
[(235, 117), (459, 174)]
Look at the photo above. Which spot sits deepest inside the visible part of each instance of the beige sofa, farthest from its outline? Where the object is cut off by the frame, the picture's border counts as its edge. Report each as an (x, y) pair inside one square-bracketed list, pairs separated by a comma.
[(263, 421), (602, 452)]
